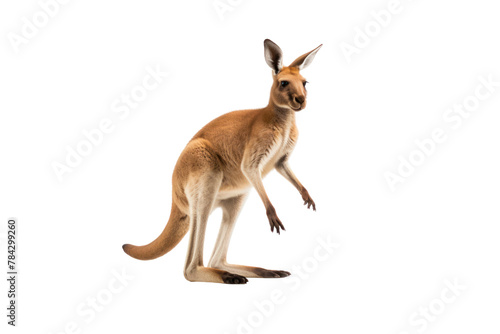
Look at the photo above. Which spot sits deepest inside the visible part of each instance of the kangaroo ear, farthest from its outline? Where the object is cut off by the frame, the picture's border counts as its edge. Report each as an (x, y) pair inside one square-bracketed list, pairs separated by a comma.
[(273, 55), (306, 59)]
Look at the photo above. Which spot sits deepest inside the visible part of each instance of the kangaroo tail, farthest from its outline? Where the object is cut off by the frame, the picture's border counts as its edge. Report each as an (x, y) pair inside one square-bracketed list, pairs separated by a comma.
[(176, 229)]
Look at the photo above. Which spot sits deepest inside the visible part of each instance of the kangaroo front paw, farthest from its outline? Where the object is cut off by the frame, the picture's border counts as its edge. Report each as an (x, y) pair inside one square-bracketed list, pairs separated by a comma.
[(274, 221), (307, 199)]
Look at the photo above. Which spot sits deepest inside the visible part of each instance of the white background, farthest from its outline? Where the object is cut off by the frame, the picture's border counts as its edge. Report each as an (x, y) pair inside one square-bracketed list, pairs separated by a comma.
[(397, 248)]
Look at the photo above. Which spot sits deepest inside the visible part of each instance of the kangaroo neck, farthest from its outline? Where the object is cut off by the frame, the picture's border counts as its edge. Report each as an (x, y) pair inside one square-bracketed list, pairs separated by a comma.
[(279, 115)]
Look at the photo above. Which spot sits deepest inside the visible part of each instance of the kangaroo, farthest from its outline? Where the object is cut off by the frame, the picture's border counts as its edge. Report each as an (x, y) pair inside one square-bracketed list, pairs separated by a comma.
[(221, 163)]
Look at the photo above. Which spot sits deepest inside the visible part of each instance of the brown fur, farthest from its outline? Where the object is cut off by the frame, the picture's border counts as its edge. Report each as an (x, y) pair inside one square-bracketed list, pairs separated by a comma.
[(221, 163)]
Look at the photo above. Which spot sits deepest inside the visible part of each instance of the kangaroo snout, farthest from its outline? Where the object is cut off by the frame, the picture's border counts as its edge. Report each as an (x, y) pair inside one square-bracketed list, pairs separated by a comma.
[(299, 99), (298, 102)]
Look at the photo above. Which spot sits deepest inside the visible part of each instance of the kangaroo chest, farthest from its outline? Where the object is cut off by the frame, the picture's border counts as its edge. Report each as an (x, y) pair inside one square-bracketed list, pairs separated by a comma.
[(279, 147)]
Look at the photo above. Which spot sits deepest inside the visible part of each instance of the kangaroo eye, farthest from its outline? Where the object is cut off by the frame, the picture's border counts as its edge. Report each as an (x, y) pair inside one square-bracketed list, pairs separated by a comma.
[(284, 83), (305, 82)]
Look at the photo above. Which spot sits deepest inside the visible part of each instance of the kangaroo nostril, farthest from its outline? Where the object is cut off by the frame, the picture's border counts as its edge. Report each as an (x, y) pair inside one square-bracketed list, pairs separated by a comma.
[(299, 99)]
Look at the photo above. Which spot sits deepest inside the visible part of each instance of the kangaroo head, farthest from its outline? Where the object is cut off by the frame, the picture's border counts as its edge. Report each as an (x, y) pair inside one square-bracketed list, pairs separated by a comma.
[(289, 87)]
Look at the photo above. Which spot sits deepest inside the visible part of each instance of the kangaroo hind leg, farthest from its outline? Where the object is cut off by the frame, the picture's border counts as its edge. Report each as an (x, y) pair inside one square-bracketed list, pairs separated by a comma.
[(201, 197), (230, 209)]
